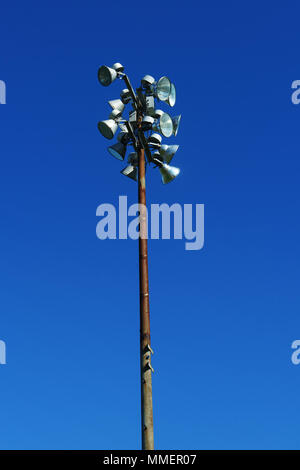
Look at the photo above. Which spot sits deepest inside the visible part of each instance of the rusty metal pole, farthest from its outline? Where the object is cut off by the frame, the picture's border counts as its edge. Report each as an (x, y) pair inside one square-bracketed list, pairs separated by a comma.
[(145, 343)]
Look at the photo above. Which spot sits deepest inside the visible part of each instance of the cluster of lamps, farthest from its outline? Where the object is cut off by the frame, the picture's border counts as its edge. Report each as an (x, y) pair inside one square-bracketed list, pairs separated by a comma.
[(145, 125)]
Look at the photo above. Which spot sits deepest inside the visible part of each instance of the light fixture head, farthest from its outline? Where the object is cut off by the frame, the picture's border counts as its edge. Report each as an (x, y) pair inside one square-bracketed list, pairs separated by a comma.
[(147, 81), (157, 158), (167, 152), (116, 114), (172, 96), (147, 122), (130, 171), (118, 67), (176, 121), (123, 137), (133, 158), (125, 96), (117, 104), (118, 150), (108, 128), (168, 173), (106, 75), (164, 125), (163, 88), (158, 113), (122, 126), (154, 139)]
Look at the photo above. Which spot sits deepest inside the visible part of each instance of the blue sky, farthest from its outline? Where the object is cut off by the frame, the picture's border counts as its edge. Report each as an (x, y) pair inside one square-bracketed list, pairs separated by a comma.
[(222, 318)]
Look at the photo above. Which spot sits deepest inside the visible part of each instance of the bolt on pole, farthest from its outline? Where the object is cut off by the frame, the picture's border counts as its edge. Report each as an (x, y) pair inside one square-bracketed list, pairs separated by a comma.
[(145, 340)]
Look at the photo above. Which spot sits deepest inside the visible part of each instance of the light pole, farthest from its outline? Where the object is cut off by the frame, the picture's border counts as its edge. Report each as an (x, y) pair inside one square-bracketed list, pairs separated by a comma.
[(137, 131), (145, 339)]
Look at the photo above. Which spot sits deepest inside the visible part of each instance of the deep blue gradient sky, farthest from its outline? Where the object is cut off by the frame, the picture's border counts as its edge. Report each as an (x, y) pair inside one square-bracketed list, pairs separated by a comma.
[(223, 318)]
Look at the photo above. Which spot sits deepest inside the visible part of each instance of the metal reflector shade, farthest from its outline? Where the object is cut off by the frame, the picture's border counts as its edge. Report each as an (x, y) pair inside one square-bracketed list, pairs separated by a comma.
[(164, 125), (125, 96), (115, 114), (172, 97), (117, 104), (147, 81), (131, 171), (154, 139), (163, 88), (167, 152), (118, 151), (157, 158), (123, 137), (108, 128), (122, 126), (147, 122), (118, 67), (168, 173), (106, 75), (133, 158), (158, 113), (176, 122)]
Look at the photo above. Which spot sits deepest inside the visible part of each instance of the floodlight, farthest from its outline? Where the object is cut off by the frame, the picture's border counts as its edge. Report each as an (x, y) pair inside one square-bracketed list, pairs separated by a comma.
[(125, 96), (176, 122), (122, 126), (108, 128), (106, 75), (118, 67), (130, 171), (118, 150), (154, 139), (147, 122), (147, 81), (133, 158), (172, 97), (158, 113), (157, 158), (168, 173), (164, 125), (117, 104), (167, 152), (163, 88), (116, 114), (123, 137)]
